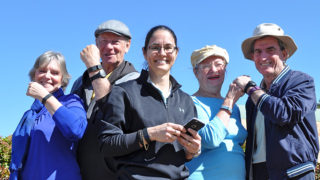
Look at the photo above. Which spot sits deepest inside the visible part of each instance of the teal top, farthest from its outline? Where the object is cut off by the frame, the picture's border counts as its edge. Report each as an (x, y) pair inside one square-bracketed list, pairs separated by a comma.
[(222, 156)]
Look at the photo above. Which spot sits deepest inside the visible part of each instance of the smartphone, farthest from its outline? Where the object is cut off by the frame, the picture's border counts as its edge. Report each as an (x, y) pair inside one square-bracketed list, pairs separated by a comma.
[(194, 124)]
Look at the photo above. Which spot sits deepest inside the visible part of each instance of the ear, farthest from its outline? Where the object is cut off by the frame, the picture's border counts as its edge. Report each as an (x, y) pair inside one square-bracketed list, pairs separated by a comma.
[(127, 45), (144, 53), (284, 55), (195, 71)]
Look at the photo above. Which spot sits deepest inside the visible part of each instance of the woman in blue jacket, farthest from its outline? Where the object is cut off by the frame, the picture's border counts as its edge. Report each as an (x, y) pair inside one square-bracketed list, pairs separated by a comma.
[(142, 120), (45, 141), (222, 156)]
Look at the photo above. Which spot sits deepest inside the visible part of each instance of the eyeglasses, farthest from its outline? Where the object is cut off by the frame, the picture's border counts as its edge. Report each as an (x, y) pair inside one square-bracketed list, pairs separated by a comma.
[(208, 66), (167, 49)]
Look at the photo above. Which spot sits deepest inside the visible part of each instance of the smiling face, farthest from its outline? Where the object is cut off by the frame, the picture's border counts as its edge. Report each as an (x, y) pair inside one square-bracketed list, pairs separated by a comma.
[(49, 76), (161, 52), (210, 73), (112, 49), (268, 57)]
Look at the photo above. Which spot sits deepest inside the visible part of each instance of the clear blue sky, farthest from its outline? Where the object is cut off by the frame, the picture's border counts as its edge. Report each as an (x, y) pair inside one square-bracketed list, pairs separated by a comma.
[(29, 28)]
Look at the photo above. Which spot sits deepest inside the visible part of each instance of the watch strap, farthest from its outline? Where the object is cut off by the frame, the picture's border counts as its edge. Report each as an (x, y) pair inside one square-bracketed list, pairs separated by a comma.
[(94, 68), (100, 74), (253, 90), (249, 84)]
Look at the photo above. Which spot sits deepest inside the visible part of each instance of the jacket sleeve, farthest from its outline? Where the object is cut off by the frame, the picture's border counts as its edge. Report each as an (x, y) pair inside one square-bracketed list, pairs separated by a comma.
[(296, 100), (71, 119), (112, 118)]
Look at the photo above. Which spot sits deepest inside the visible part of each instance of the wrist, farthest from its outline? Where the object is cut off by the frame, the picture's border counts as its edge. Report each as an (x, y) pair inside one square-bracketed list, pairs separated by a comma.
[(253, 89), (94, 68), (44, 99), (248, 85)]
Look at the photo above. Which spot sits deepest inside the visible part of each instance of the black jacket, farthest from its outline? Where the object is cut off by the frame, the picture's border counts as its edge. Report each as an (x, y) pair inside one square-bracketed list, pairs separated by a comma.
[(91, 161), (132, 106)]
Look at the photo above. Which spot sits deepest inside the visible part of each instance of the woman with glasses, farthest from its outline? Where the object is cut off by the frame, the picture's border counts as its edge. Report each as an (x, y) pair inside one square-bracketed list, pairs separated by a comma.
[(142, 120), (222, 156)]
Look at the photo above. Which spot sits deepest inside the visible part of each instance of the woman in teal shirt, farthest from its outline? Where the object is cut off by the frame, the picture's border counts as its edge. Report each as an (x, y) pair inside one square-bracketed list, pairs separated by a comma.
[(222, 156)]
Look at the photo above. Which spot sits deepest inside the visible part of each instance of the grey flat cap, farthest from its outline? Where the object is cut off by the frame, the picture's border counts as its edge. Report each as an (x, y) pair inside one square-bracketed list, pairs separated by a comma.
[(114, 26)]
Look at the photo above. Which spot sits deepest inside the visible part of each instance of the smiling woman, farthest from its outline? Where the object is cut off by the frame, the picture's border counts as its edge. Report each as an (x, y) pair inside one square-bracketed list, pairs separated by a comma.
[(44, 143), (142, 120), (223, 134)]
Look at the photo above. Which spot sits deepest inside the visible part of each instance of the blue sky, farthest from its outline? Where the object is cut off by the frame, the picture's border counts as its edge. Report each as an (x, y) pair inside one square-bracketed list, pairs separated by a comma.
[(29, 28)]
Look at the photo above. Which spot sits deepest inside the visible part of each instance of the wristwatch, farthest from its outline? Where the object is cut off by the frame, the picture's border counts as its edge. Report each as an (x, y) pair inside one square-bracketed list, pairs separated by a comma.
[(94, 68), (100, 74), (249, 84)]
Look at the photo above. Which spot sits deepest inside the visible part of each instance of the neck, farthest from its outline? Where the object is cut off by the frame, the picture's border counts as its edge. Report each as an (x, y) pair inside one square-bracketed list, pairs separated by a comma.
[(212, 93), (108, 68), (161, 81)]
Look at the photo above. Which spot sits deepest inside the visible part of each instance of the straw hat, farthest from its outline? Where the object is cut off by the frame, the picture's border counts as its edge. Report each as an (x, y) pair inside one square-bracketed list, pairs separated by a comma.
[(201, 54), (268, 29)]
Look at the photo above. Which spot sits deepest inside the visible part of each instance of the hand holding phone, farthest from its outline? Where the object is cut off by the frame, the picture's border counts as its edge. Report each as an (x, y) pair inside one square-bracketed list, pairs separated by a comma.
[(194, 124)]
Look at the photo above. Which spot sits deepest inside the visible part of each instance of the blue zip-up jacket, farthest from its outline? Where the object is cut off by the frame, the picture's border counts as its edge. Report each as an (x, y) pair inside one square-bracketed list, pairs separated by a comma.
[(290, 125)]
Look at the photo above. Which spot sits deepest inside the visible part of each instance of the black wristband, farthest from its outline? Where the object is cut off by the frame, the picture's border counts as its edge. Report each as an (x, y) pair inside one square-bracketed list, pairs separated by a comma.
[(249, 84), (140, 134), (44, 100), (146, 135), (94, 68)]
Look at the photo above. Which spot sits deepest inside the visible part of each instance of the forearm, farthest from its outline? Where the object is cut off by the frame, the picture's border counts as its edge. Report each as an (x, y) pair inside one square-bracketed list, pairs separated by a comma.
[(71, 121)]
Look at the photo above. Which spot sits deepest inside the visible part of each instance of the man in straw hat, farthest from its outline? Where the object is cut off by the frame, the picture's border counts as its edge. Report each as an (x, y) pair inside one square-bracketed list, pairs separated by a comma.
[(282, 138), (113, 40)]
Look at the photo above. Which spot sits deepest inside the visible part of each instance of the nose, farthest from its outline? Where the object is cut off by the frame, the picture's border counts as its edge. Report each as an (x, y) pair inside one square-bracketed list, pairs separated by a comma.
[(162, 52), (48, 75)]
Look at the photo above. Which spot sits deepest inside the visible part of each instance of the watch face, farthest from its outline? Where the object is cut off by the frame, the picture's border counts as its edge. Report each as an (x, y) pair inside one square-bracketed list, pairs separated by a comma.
[(102, 73)]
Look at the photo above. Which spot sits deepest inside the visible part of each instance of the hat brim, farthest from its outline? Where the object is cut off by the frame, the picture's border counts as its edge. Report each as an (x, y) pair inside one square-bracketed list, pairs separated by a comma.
[(98, 32), (289, 44)]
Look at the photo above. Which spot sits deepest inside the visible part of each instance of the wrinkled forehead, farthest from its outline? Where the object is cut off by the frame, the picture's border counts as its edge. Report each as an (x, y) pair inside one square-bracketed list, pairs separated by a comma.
[(266, 42)]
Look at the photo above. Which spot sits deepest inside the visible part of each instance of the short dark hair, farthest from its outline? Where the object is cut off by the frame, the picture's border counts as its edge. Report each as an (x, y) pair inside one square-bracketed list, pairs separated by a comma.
[(280, 43), (154, 29)]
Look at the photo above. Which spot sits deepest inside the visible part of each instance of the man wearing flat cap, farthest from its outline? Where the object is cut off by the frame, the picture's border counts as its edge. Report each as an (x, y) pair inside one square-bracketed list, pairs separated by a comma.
[(282, 138), (113, 40)]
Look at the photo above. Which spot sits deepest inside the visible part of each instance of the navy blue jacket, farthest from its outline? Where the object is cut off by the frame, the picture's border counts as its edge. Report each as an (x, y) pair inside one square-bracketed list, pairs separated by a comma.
[(132, 106), (290, 125)]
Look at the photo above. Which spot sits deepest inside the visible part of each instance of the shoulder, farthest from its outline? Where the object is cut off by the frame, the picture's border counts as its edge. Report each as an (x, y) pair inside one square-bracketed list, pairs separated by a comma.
[(70, 99), (128, 77), (76, 85)]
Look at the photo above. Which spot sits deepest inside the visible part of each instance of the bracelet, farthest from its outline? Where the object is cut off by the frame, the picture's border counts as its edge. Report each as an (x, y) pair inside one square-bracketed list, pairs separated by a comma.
[(226, 108), (44, 100), (94, 68), (142, 140), (146, 135), (253, 90)]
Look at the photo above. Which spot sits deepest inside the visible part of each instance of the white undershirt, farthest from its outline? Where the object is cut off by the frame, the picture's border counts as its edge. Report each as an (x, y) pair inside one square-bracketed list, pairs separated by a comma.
[(259, 154)]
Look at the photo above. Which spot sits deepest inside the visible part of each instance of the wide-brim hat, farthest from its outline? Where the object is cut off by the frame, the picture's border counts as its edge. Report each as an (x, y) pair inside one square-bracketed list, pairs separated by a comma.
[(268, 29), (113, 26), (199, 55)]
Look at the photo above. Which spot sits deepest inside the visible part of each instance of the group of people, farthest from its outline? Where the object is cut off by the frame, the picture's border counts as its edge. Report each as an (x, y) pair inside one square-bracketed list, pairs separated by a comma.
[(120, 124)]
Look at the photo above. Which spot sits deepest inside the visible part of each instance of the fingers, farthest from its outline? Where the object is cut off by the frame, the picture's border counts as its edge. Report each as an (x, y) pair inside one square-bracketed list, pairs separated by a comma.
[(90, 55), (191, 143)]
